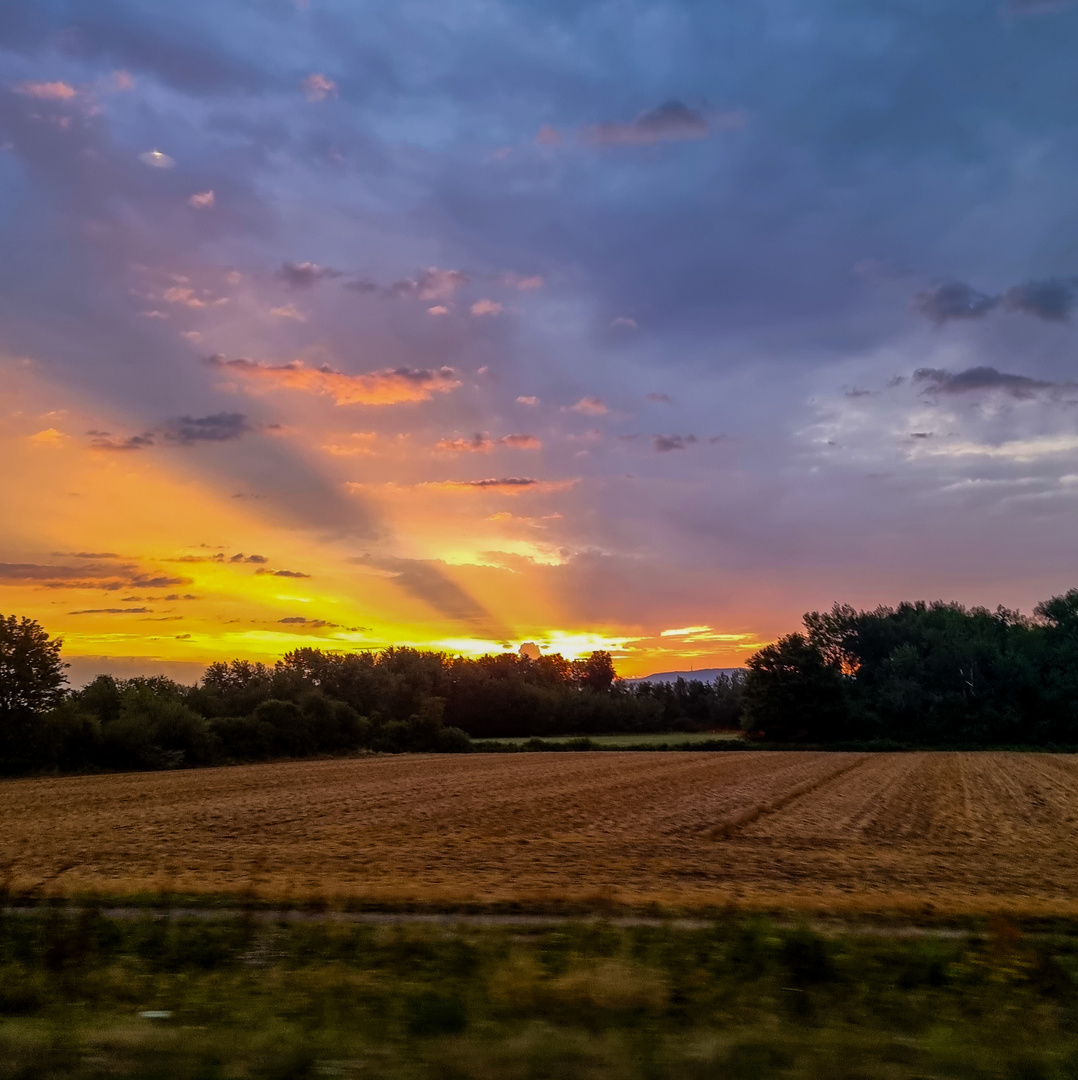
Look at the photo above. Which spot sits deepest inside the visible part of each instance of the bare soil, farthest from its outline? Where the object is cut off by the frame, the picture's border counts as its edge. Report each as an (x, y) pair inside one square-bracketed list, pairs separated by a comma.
[(939, 833)]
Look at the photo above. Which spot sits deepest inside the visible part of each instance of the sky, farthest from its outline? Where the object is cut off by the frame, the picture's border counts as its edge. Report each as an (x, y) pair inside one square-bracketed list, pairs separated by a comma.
[(463, 324)]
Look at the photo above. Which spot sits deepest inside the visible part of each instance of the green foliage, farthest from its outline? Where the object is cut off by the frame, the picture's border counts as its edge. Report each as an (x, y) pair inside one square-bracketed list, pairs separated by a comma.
[(920, 673), (260, 998), (31, 680)]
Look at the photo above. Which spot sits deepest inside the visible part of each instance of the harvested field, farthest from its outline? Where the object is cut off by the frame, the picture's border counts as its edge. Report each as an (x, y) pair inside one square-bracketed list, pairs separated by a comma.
[(941, 832)]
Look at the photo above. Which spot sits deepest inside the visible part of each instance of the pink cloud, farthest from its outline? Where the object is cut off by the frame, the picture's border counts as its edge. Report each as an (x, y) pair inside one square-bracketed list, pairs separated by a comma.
[(486, 307), (589, 406), (46, 91), (318, 87), (202, 200), (390, 386)]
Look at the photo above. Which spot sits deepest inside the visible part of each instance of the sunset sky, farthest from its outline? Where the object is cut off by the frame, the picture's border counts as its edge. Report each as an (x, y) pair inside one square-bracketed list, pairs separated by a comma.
[(640, 326)]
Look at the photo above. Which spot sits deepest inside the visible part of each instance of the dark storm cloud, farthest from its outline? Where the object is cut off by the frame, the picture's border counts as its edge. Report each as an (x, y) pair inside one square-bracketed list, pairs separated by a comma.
[(305, 274), (937, 381), (954, 300), (220, 427)]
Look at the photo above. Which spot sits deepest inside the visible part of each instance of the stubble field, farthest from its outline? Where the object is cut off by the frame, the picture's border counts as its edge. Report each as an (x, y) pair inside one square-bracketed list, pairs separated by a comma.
[(942, 833)]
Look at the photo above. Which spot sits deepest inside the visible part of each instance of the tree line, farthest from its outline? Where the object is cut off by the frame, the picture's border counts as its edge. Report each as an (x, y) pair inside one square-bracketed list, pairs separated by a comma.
[(926, 674), (313, 702)]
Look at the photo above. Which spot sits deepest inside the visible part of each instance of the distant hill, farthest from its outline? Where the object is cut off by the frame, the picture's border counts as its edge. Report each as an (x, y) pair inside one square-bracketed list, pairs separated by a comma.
[(702, 674)]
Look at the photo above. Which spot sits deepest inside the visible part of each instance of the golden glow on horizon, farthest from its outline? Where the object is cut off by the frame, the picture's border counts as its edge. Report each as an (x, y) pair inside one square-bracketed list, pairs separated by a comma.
[(142, 553)]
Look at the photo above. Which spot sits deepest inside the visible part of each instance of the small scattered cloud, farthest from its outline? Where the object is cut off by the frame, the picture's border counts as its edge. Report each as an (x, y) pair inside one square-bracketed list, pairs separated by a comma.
[(486, 307), (938, 381), (288, 311), (528, 399), (46, 91), (670, 122), (122, 80), (438, 309), (361, 443), (157, 159), (103, 440), (319, 87), (202, 200), (661, 399), (264, 572), (588, 406), (507, 485), (623, 322), (48, 437), (220, 427), (239, 557), (549, 136), (305, 274), (390, 386), (310, 624), (685, 631), (112, 611), (88, 576), (431, 284), (521, 442), (482, 443), (663, 444), (954, 300), (521, 282)]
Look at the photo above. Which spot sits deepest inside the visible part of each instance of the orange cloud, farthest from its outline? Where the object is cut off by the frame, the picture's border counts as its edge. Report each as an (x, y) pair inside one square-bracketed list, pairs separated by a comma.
[(390, 386), (46, 91)]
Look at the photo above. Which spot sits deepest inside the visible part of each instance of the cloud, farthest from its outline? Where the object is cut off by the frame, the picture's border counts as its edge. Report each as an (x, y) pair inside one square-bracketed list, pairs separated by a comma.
[(318, 87), (486, 307), (623, 322), (432, 284), (1051, 298), (507, 485), (665, 443), (521, 282), (527, 399), (305, 274), (288, 311), (954, 300), (241, 558), (220, 427), (655, 396), (102, 440), (671, 122), (477, 444), (263, 572), (302, 620), (113, 611), (938, 381), (521, 442), (589, 406), (46, 91), (390, 386), (549, 136), (108, 578), (157, 159), (482, 443), (202, 200)]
